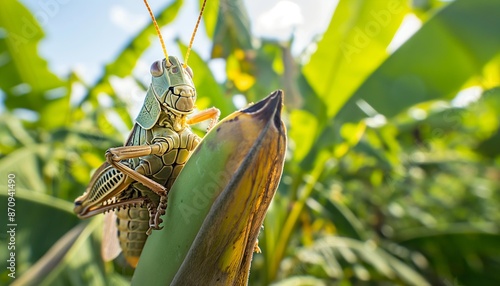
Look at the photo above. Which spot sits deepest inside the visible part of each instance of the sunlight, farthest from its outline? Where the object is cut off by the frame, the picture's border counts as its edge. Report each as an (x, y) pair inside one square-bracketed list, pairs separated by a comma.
[(410, 25), (467, 96)]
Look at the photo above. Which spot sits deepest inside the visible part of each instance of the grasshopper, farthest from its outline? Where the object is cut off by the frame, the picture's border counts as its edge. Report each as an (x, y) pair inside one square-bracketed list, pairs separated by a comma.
[(135, 179)]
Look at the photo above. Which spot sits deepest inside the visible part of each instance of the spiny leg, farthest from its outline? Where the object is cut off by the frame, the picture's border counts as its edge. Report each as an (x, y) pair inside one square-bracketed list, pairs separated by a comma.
[(155, 214), (114, 157), (152, 214)]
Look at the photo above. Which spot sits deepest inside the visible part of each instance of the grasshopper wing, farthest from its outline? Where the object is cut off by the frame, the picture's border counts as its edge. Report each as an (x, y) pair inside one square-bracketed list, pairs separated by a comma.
[(110, 247)]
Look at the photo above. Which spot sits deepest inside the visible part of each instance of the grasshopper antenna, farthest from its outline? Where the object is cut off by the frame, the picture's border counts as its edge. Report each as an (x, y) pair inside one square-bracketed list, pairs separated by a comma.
[(194, 33), (159, 33)]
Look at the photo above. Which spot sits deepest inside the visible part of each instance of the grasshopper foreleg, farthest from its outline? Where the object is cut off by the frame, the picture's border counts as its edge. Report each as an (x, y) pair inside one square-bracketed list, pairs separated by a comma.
[(154, 186), (114, 157)]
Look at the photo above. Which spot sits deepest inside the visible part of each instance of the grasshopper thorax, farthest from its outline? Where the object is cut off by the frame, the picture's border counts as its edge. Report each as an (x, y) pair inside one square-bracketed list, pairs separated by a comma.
[(172, 91)]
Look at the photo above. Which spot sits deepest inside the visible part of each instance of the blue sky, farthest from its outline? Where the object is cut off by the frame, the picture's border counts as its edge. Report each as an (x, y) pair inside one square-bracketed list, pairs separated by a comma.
[(84, 35)]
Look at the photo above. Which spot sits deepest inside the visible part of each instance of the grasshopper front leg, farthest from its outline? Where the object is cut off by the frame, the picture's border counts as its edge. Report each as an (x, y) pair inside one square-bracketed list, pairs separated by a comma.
[(114, 156)]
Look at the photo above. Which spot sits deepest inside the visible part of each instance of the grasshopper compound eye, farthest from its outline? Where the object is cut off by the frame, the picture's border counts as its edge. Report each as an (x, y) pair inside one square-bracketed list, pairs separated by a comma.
[(189, 71), (156, 69)]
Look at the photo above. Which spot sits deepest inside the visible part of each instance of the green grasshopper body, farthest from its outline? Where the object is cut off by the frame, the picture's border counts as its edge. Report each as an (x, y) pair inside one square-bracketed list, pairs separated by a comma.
[(135, 179)]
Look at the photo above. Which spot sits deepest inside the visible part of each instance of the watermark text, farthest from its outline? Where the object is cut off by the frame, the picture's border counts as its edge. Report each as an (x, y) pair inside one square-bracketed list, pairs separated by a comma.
[(11, 225)]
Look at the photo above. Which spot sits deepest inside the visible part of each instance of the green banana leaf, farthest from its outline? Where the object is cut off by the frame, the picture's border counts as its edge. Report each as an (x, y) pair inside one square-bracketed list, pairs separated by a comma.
[(460, 252), (354, 45), (434, 63), (36, 228)]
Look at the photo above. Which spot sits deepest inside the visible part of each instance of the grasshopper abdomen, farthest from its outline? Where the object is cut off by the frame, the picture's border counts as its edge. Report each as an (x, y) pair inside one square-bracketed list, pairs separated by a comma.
[(132, 224)]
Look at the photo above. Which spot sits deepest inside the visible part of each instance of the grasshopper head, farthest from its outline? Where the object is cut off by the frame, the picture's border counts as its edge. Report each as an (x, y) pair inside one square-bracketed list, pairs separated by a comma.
[(172, 91), (173, 85)]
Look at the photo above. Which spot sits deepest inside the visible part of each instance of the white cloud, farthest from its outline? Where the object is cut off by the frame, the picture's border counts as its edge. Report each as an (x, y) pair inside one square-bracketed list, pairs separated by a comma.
[(127, 20), (280, 20)]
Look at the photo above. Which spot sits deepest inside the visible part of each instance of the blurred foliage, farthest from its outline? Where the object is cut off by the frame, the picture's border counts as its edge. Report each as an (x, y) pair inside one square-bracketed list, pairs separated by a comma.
[(393, 170)]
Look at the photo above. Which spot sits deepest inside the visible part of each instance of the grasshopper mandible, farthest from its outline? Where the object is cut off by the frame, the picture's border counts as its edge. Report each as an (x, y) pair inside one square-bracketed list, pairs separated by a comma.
[(135, 179)]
